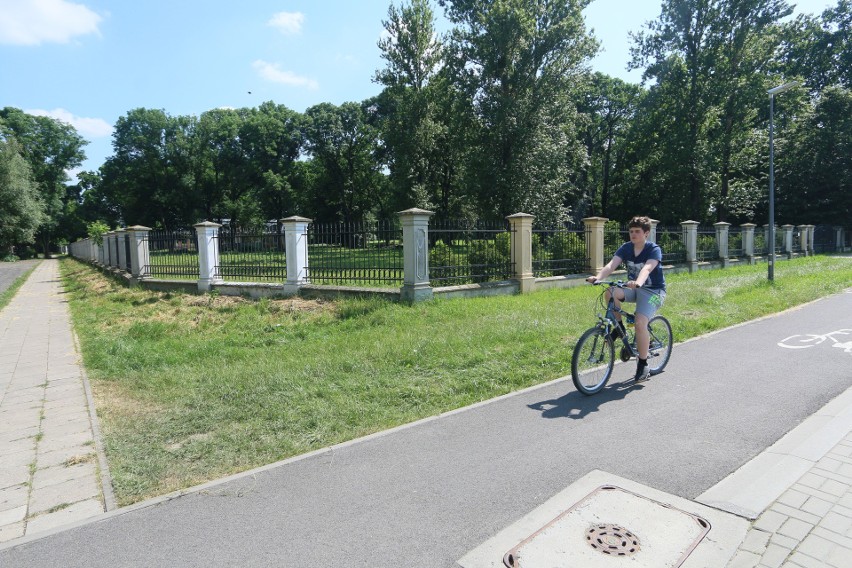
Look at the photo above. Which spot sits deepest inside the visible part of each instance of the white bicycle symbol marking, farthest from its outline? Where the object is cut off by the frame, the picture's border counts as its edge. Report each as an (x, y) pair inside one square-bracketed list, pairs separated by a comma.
[(805, 341)]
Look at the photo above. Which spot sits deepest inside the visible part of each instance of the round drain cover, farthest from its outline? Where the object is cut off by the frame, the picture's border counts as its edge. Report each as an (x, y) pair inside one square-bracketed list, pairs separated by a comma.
[(612, 540)]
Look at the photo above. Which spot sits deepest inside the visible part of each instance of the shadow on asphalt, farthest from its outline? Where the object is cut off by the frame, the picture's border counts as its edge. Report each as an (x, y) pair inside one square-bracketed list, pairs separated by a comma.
[(577, 405)]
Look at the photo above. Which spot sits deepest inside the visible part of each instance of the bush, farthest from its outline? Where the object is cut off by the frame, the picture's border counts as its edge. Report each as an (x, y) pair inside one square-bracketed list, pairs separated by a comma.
[(490, 259), (567, 246), (503, 242), (9, 258), (440, 255), (25, 252)]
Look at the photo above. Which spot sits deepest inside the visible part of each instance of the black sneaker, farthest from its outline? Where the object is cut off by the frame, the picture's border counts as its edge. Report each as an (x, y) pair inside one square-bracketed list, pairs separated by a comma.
[(616, 333), (643, 373)]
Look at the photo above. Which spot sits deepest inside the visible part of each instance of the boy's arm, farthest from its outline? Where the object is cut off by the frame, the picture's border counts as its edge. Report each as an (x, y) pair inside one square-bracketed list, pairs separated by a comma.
[(606, 270), (644, 274)]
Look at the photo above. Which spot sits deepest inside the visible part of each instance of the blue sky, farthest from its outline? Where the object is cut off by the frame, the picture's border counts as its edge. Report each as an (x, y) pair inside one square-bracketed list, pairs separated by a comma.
[(88, 62)]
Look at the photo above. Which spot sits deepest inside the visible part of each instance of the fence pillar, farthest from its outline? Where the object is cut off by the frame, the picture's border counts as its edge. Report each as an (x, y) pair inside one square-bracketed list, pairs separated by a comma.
[(109, 248), (838, 239), (690, 241), (140, 256), (652, 236), (811, 240), (296, 252), (722, 232), (521, 250), (803, 239), (120, 235), (208, 254), (748, 241), (595, 243), (415, 250), (788, 240)]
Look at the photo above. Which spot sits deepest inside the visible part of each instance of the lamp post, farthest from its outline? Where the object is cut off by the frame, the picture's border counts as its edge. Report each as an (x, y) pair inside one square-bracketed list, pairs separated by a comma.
[(771, 244)]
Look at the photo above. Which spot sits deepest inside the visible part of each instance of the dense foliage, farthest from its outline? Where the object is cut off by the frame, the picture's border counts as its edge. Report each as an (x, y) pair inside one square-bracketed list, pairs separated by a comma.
[(496, 116)]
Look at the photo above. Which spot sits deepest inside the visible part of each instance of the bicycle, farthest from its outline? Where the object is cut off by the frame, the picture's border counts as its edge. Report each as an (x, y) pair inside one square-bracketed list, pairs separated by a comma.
[(594, 354)]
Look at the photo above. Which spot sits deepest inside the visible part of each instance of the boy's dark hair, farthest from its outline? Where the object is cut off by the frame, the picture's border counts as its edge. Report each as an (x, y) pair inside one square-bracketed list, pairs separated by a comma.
[(640, 221)]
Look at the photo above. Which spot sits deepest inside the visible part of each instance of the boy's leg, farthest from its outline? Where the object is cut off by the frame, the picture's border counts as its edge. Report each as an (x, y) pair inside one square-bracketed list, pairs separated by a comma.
[(646, 307)]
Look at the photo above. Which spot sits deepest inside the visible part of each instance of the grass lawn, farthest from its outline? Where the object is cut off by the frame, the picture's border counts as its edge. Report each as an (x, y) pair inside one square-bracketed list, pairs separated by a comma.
[(191, 388)]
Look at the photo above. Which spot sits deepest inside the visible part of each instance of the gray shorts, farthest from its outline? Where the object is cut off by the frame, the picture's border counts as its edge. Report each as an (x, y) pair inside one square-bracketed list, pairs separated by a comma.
[(647, 300)]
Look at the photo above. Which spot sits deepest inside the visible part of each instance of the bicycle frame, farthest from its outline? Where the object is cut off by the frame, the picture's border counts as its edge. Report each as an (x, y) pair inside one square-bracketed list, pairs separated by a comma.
[(608, 321)]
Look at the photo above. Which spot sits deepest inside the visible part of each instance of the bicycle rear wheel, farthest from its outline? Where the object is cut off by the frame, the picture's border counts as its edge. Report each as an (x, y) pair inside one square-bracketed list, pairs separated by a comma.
[(591, 366), (660, 348)]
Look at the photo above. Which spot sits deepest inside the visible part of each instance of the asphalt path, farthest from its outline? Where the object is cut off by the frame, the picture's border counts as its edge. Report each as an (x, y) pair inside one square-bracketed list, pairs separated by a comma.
[(11, 271), (426, 494)]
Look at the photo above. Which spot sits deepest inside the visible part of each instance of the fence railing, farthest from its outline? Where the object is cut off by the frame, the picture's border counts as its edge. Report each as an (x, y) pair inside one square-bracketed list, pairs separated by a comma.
[(671, 241), (172, 254), (418, 255), (559, 251), (355, 254), (463, 252), (735, 243), (614, 236), (255, 254), (707, 248)]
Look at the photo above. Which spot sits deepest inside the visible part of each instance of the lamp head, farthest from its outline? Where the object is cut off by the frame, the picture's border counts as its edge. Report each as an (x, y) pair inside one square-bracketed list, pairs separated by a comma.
[(781, 88)]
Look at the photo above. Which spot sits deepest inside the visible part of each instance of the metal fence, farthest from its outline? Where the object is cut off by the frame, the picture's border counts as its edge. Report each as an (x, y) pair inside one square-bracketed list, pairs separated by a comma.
[(671, 242), (615, 235), (825, 239), (707, 248), (247, 255), (735, 242), (559, 251), (467, 252), (173, 254), (362, 254)]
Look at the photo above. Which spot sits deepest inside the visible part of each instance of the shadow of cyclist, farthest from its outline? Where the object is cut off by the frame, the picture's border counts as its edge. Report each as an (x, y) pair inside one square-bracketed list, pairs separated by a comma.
[(577, 405)]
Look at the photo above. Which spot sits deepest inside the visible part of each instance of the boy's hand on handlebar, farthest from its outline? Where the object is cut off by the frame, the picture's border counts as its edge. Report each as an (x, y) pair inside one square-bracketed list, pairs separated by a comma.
[(592, 279), (632, 285)]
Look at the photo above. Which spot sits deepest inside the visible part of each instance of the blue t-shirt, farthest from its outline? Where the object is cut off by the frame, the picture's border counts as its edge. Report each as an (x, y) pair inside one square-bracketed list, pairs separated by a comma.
[(634, 263)]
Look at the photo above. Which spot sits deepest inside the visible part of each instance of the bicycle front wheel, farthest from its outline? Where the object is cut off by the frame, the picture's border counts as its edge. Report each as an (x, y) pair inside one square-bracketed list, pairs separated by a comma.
[(660, 347), (591, 366)]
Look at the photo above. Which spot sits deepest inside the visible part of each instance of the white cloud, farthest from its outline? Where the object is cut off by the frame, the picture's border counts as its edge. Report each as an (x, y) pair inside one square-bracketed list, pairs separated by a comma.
[(273, 72), (32, 22), (288, 22), (87, 127)]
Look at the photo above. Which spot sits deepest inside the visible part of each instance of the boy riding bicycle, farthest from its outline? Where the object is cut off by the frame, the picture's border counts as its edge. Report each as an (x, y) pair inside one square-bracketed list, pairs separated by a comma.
[(646, 284)]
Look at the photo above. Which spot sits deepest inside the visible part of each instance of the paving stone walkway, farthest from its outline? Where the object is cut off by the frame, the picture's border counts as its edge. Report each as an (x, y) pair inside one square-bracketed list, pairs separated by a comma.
[(50, 474), (810, 525)]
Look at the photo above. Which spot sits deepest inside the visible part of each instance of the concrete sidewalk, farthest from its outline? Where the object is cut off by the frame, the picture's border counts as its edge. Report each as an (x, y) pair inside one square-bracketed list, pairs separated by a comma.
[(796, 495), (50, 473)]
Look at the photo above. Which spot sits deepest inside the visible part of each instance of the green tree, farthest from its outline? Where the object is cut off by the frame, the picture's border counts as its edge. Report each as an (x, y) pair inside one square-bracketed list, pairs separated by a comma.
[(412, 128), (52, 148), (708, 59), (819, 48), (272, 136), (347, 182), (609, 106), (21, 210), (814, 170), (518, 61), (147, 177)]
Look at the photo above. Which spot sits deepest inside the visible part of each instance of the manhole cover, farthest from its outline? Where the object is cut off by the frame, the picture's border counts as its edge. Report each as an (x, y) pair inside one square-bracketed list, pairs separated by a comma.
[(612, 540), (600, 530)]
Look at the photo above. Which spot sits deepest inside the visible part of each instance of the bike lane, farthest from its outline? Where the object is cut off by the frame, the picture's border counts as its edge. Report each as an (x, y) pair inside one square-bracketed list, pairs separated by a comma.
[(428, 493)]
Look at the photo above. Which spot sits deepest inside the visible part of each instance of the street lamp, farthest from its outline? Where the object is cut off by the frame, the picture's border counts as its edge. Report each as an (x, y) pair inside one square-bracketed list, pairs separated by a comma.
[(771, 244)]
